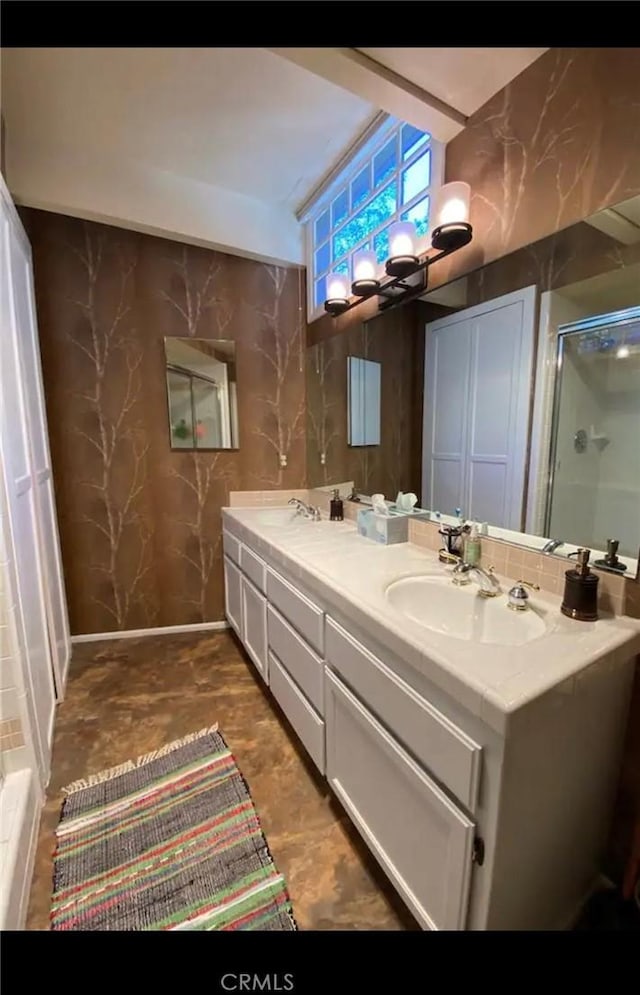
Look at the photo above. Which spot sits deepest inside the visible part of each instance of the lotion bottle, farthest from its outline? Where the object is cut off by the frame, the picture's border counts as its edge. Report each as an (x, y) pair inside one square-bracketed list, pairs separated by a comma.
[(472, 546)]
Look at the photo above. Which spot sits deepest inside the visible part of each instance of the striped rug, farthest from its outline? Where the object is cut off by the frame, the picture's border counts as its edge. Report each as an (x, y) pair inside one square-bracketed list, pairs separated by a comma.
[(169, 841)]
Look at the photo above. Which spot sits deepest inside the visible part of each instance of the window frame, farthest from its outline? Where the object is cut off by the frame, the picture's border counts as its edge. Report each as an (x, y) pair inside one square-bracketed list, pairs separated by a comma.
[(365, 156)]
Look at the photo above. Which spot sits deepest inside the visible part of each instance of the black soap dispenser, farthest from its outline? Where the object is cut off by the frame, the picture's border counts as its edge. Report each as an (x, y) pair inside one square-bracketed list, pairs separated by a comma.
[(581, 591), (336, 507)]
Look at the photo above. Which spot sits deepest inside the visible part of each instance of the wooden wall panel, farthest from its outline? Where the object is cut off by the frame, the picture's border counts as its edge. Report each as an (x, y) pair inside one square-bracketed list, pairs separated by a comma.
[(140, 523)]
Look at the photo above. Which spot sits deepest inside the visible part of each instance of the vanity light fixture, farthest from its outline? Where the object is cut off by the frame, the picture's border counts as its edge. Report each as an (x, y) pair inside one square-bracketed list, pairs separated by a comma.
[(452, 231)]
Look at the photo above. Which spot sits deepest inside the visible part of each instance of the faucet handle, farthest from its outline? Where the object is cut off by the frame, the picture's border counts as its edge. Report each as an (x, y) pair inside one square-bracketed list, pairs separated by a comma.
[(518, 596)]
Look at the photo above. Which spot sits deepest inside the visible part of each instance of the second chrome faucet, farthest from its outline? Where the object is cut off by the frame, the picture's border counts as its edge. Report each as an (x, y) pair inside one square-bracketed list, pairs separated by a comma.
[(306, 510), (464, 573)]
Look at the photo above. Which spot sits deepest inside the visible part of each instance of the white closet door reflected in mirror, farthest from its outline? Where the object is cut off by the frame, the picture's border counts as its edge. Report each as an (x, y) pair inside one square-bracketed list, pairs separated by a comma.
[(363, 384)]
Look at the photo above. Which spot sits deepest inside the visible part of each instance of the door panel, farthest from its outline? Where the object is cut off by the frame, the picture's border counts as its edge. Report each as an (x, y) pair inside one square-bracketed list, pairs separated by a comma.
[(476, 409), (254, 627), (233, 595), (23, 528), (445, 416), (487, 491), (51, 559), (421, 839)]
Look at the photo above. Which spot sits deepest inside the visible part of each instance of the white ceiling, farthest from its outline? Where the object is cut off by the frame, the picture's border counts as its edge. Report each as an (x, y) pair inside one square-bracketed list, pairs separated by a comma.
[(217, 145), (464, 78), (239, 118)]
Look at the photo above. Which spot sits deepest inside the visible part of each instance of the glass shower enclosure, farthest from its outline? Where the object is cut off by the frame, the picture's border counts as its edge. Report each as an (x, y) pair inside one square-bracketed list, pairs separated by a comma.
[(594, 469)]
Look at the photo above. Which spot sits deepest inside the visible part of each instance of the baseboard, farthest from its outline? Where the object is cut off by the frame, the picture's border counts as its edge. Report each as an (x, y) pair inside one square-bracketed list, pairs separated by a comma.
[(23, 803), (162, 630)]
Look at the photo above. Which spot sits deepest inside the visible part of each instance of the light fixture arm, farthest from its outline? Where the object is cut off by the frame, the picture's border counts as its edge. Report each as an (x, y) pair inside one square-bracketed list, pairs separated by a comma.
[(451, 232)]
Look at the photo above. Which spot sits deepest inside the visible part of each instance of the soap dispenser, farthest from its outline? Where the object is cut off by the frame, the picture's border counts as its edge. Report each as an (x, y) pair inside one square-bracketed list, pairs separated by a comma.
[(580, 599), (336, 507)]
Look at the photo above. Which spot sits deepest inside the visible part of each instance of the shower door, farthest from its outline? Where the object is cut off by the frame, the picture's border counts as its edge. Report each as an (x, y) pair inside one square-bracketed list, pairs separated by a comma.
[(594, 470)]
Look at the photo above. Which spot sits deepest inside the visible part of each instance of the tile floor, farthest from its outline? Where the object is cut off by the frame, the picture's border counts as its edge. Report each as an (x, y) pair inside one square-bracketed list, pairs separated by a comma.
[(126, 697)]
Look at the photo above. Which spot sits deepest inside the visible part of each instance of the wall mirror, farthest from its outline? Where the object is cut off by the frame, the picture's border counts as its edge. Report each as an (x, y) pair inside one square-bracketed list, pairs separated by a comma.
[(512, 394), (201, 393), (363, 401)]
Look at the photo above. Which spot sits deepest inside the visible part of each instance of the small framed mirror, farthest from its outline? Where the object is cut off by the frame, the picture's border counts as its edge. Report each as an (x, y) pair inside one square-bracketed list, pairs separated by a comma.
[(363, 389), (201, 393)]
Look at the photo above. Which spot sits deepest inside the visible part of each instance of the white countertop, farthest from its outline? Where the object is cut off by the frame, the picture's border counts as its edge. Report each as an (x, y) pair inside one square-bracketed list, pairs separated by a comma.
[(352, 573)]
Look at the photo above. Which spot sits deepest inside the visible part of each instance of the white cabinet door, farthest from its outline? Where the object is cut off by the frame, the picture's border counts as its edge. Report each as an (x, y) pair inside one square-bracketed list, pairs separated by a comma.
[(233, 594), (501, 364), (51, 559), (254, 627), (478, 366), (421, 839), (446, 410), (20, 485)]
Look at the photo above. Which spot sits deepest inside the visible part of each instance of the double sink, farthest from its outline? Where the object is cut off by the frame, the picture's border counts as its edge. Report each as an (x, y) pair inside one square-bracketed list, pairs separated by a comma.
[(432, 601)]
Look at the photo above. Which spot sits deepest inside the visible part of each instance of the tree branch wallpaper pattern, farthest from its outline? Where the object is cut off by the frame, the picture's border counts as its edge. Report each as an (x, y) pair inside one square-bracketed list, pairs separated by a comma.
[(558, 143), (140, 523), (396, 340)]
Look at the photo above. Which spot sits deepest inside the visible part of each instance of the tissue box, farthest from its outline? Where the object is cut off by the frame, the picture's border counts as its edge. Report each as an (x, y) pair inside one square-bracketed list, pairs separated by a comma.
[(386, 529)]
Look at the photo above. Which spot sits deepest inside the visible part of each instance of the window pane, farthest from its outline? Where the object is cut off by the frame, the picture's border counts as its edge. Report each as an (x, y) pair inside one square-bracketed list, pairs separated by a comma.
[(384, 163), (381, 245), (412, 138), (323, 227), (367, 220), (323, 258), (342, 267), (419, 214), (321, 291), (361, 187), (416, 177), (339, 209)]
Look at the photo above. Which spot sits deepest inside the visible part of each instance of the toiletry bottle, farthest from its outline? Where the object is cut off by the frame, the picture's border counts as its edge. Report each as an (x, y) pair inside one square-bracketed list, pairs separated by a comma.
[(581, 590), (336, 507), (472, 546)]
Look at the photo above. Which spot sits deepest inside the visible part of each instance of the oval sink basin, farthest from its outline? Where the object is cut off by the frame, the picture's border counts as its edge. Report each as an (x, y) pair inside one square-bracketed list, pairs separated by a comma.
[(460, 613), (278, 516)]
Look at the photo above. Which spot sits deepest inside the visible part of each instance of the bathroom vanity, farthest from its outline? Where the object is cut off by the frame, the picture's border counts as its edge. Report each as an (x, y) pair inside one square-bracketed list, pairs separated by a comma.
[(476, 749)]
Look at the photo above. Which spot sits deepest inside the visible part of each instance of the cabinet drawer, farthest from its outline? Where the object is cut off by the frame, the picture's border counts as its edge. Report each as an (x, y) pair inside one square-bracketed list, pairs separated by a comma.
[(297, 658), (421, 839), (231, 546), (254, 567), (451, 756), (301, 613), (308, 725)]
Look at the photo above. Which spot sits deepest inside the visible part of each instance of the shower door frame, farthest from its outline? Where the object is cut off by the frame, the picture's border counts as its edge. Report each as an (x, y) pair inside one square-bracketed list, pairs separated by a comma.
[(609, 319)]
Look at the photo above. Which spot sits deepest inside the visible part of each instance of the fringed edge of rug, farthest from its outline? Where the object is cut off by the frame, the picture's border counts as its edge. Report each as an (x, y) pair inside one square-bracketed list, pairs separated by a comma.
[(129, 765)]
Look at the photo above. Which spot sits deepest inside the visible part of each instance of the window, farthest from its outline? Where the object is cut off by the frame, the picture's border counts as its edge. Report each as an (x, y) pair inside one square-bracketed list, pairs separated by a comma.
[(392, 178)]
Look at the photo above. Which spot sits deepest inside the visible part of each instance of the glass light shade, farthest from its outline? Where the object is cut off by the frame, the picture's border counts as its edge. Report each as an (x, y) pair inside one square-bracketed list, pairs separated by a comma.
[(452, 204), (623, 352), (337, 287), (402, 239), (365, 265)]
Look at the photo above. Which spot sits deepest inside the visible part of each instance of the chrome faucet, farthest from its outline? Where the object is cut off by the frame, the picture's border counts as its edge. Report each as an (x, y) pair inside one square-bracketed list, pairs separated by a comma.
[(306, 510), (487, 581), (551, 545)]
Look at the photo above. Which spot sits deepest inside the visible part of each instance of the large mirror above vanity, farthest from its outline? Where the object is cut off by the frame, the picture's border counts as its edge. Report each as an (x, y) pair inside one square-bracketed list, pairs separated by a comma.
[(510, 397)]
